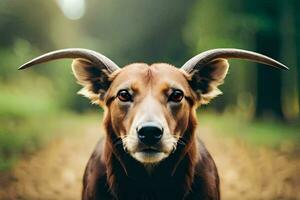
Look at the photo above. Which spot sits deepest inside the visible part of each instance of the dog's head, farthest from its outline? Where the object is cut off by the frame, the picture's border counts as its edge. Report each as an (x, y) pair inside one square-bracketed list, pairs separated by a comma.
[(150, 106)]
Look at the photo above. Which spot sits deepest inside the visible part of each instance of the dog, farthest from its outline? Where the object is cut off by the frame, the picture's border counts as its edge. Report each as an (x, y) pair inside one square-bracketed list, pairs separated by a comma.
[(150, 150)]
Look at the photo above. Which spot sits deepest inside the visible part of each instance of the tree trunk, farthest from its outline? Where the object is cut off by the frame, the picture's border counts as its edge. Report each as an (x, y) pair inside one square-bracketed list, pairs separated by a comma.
[(269, 81), (296, 6)]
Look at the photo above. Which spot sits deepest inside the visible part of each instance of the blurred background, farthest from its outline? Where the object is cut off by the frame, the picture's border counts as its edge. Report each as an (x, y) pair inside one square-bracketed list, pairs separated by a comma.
[(47, 132)]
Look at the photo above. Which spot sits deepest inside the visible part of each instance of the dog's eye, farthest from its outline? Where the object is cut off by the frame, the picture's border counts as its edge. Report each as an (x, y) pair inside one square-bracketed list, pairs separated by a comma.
[(176, 96), (124, 96)]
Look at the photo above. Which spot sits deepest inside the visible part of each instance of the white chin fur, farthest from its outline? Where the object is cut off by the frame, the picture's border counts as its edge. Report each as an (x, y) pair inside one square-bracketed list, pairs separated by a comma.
[(149, 158)]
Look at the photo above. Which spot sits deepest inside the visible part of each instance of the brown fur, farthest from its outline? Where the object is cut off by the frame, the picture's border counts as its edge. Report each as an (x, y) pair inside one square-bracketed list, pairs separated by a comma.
[(187, 173)]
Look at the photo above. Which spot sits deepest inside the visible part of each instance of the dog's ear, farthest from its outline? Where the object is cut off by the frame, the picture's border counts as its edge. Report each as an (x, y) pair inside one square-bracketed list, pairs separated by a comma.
[(207, 70), (206, 79), (92, 70), (94, 79)]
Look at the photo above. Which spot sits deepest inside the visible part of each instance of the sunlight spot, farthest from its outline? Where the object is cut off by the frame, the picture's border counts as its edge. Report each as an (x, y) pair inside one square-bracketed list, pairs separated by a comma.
[(72, 9)]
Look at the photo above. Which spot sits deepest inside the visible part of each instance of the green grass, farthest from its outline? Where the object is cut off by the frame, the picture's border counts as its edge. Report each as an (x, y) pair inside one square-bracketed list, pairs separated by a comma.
[(17, 138), (22, 137), (266, 133), (30, 116)]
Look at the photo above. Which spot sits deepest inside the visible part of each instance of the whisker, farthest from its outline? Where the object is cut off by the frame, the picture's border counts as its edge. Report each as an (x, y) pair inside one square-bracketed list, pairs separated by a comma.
[(125, 148), (117, 141), (181, 141), (174, 148)]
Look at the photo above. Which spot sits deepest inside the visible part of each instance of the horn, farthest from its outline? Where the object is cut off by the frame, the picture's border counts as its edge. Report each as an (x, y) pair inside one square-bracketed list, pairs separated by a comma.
[(93, 56), (207, 56)]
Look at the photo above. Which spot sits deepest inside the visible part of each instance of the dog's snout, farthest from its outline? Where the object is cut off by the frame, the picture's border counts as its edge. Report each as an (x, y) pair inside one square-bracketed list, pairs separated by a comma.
[(150, 133)]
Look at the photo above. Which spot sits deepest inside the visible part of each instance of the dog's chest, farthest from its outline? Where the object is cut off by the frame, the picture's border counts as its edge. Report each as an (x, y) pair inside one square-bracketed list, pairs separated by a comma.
[(152, 188)]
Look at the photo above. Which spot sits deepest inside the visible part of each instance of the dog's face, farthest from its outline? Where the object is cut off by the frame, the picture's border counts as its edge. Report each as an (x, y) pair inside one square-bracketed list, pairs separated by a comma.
[(149, 108), (149, 105)]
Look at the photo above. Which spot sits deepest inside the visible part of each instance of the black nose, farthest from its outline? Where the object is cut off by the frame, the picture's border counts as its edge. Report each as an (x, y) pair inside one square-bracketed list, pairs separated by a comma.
[(150, 134)]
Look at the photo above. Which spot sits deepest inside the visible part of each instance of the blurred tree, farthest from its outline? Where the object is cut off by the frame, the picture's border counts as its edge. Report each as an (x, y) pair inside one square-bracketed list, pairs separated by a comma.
[(268, 41), (295, 4), (289, 31), (17, 20)]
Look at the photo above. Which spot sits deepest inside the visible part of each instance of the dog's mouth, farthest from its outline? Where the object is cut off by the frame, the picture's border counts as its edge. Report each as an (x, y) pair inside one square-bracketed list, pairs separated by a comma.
[(150, 150), (149, 155)]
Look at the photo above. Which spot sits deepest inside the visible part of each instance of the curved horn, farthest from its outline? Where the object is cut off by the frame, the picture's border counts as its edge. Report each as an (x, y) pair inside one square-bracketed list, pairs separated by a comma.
[(93, 56), (207, 56)]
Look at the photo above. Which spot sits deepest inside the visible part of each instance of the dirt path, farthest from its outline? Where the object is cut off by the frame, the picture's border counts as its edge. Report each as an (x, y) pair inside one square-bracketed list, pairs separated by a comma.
[(246, 173)]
